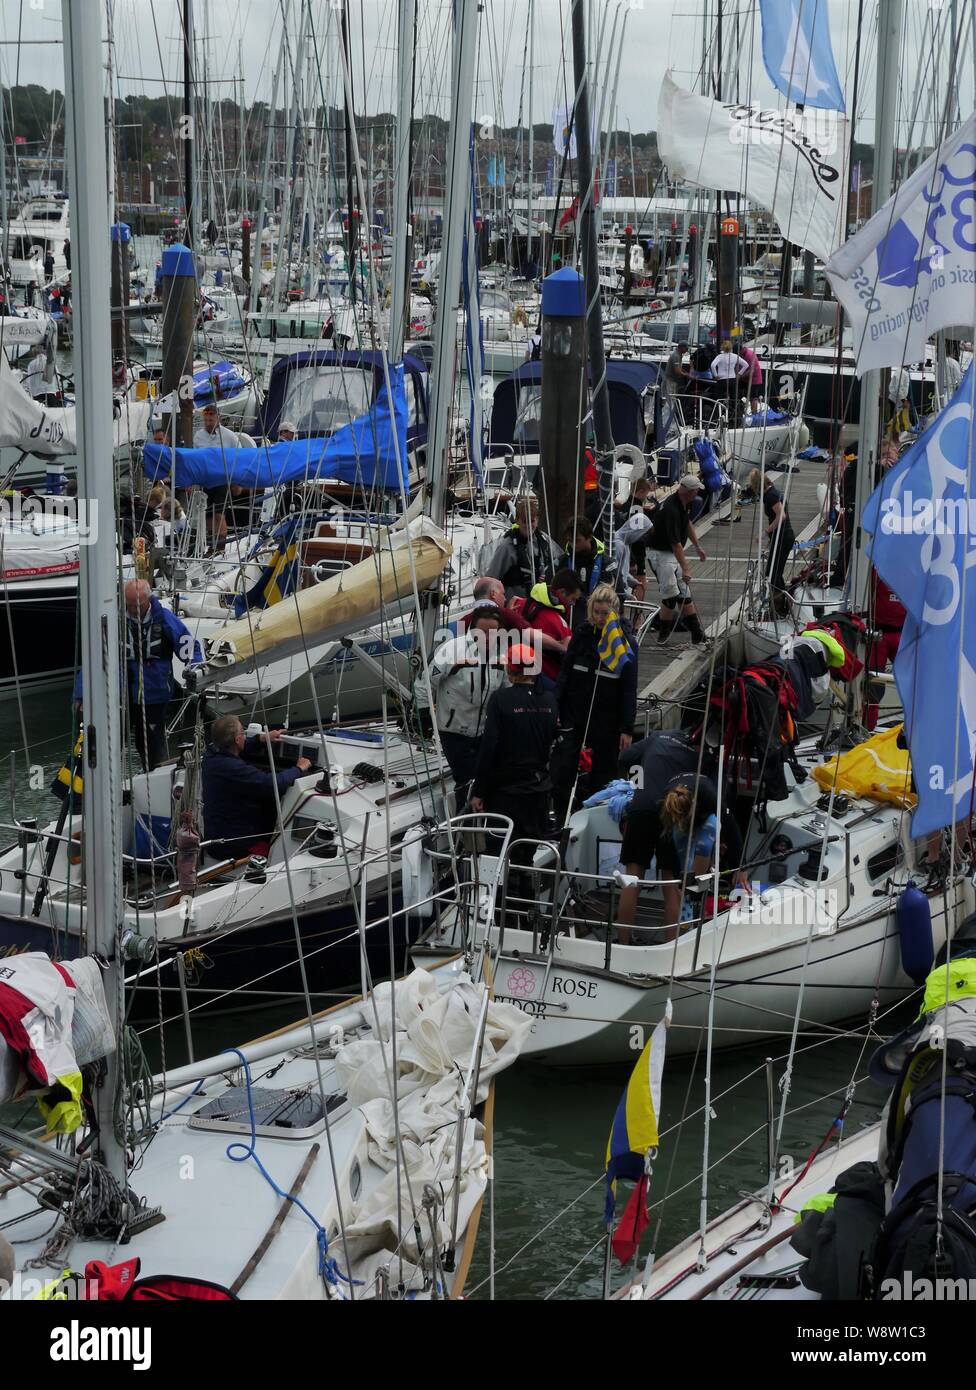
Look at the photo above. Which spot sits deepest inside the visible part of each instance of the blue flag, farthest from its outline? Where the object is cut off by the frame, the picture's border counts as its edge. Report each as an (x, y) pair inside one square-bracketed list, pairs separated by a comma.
[(923, 526), (279, 577), (549, 177), (797, 52)]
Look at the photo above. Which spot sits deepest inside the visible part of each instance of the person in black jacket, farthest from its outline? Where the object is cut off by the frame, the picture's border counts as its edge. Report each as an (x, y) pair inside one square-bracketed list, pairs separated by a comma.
[(512, 774), (597, 705), (779, 529), (239, 806), (525, 556)]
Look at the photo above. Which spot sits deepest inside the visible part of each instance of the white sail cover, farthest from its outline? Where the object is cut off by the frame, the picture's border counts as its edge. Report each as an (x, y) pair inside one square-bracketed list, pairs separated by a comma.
[(767, 155), (435, 1036), (347, 602), (911, 270), (39, 429)]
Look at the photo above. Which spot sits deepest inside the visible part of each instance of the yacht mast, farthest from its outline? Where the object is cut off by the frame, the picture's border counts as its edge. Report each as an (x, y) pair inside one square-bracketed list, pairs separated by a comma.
[(99, 580), (189, 170), (401, 190), (886, 102), (591, 274), (457, 207)]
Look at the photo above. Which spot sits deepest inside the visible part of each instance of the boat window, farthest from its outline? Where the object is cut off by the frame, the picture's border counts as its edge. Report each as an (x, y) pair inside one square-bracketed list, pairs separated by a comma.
[(885, 860), (321, 399), (528, 420), (414, 413), (495, 300)]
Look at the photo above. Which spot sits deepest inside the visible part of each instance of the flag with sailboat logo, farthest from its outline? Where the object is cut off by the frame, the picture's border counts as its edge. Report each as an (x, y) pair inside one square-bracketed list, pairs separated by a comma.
[(797, 52), (911, 270), (789, 162), (922, 519)]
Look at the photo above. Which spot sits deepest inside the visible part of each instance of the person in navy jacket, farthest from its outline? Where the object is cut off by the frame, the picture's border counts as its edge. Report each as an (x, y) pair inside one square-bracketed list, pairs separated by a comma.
[(153, 636), (239, 805)]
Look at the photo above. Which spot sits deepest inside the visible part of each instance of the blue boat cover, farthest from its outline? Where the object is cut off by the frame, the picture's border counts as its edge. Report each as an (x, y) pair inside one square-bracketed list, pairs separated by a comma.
[(365, 451), (226, 376)]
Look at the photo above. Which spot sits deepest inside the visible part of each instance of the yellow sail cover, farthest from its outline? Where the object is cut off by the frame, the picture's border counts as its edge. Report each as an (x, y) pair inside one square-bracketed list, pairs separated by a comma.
[(877, 769)]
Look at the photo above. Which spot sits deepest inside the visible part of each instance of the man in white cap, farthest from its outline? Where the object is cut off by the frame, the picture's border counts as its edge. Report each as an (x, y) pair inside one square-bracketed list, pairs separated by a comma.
[(287, 432), (671, 529)]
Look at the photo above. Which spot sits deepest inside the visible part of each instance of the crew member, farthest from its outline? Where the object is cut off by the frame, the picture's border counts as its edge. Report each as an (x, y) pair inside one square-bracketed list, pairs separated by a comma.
[(512, 772), (153, 637), (587, 555), (465, 672), (779, 529), (211, 434), (597, 702), (546, 610), (239, 804), (671, 530), (526, 554), (689, 844)]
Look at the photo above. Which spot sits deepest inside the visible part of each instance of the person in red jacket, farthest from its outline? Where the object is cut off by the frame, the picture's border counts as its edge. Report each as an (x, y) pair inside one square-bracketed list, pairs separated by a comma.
[(547, 610), (887, 619)]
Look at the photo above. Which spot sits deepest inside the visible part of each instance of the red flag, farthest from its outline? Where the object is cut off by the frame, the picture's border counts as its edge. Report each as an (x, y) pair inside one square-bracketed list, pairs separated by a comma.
[(20, 139), (569, 214), (596, 187), (633, 1224)]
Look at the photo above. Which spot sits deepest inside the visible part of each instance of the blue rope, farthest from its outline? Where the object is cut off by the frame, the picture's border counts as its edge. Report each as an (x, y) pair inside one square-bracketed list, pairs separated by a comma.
[(328, 1269)]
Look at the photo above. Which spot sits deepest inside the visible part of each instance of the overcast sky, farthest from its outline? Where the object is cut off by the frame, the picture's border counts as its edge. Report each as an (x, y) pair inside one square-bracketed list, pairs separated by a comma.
[(245, 36)]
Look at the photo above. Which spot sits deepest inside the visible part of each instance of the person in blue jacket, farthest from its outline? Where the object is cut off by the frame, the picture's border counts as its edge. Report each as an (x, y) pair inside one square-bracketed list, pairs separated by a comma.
[(239, 806), (153, 636)]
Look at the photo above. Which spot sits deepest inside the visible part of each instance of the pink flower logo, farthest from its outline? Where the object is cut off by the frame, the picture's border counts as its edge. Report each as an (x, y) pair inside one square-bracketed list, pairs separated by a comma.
[(521, 981)]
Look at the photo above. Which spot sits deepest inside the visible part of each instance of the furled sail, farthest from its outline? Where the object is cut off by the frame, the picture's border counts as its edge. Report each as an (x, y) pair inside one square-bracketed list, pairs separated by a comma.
[(39, 429), (347, 602), (370, 450)]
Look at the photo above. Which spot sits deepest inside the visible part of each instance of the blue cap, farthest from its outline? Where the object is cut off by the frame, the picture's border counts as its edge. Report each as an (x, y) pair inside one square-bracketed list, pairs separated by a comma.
[(563, 294), (121, 231), (178, 261)]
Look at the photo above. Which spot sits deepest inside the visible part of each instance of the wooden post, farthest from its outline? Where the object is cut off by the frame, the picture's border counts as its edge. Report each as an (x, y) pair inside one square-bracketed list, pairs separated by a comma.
[(179, 313), (563, 365)]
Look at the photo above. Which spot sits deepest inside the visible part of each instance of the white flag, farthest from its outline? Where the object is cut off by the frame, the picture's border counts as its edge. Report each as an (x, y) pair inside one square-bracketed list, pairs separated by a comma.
[(789, 163), (911, 270), (564, 132)]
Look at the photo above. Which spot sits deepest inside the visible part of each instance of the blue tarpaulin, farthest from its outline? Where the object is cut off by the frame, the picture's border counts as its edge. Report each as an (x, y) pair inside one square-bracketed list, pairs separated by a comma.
[(365, 451)]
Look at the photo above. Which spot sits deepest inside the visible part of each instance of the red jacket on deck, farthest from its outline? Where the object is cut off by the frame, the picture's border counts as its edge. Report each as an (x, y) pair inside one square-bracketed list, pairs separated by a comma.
[(888, 609)]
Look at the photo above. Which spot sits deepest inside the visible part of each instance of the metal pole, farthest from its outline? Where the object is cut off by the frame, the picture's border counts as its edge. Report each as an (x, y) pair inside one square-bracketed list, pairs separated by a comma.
[(594, 321), (99, 580), (185, 1002), (351, 192), (400, 297), (189, 170), (886, 103), (456, 208), (528, 205)]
